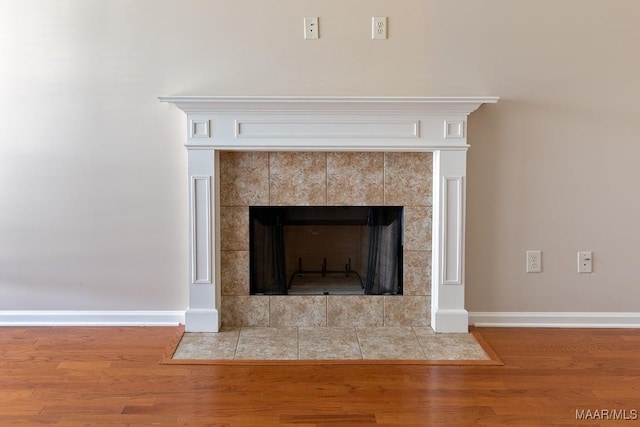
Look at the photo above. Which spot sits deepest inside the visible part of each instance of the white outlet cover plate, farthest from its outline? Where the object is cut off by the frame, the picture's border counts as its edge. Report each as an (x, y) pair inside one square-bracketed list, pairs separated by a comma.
[(585, 262), (534, 262), (378, 27), (311, 30)]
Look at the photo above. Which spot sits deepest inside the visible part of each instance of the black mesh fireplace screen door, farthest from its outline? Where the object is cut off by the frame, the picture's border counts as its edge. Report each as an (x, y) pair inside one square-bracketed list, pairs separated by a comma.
[(268, 275), (384, 266), (384, 252)]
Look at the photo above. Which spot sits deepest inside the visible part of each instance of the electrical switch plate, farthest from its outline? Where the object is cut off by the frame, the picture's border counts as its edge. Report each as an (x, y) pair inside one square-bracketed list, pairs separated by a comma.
[(534, 261), (379, 27), (311, 30), (585, 262)]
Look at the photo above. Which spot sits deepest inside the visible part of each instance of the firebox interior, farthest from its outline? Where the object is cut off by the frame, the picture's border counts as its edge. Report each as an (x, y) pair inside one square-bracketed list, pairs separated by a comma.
[(316, 250)]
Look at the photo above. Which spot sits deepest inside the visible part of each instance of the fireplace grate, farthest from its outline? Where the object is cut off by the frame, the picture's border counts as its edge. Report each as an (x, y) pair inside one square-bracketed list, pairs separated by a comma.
[(324, 271)]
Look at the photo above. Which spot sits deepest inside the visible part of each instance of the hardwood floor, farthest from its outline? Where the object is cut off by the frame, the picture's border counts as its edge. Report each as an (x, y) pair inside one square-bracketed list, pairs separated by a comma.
[(112, 376)]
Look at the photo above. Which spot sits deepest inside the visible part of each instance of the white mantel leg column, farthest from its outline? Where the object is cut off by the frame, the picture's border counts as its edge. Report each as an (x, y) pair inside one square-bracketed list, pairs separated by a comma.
[(203, 314), (447, 281)]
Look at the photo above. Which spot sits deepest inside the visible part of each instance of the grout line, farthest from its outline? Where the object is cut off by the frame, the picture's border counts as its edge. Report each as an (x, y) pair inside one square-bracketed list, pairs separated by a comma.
[(326, 179), (424, 352), (269, 178), (384, 310), (235, 350), (326, 311), (359, 344), (384, 179)]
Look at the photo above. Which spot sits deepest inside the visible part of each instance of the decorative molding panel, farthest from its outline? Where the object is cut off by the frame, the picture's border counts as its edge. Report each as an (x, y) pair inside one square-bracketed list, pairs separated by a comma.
[(334, 129), (454, 129), (201, 229), (555, 319), (200, 129), (90, 318), (453, 234)]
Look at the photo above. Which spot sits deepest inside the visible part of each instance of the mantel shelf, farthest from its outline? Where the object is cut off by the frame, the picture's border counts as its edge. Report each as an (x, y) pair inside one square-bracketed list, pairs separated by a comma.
[(433, 105)]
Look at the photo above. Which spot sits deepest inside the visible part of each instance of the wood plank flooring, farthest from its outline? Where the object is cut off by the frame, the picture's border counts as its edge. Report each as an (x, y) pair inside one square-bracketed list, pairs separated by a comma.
[(112, 376)]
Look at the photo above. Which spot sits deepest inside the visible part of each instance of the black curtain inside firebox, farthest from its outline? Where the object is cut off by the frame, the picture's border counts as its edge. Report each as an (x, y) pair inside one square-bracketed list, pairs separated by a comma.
[(268, 275), (384, 255)]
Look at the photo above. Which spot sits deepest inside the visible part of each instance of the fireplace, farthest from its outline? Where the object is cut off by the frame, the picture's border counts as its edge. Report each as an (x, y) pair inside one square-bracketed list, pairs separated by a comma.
[(325, 250), (303, 151)]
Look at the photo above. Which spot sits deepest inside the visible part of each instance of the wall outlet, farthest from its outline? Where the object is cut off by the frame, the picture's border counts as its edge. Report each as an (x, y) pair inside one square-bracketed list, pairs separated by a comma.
[(379, 27), (585, 262), (534, 261), (311, 30)]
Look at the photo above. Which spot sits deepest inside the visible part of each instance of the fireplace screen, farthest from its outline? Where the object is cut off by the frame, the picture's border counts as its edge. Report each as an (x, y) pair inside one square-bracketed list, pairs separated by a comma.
[(330, 250)]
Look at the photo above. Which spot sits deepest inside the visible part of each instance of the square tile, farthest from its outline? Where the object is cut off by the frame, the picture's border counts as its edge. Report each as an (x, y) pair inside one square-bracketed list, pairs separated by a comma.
[(329, 344), (267, 344), (355, 179), (203, 346), (298, 179), (389, 343), (244, 178), (408, 179)]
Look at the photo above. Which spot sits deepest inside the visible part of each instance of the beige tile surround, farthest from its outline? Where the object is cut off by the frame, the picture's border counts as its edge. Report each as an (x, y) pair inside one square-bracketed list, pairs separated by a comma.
[(325, 179)]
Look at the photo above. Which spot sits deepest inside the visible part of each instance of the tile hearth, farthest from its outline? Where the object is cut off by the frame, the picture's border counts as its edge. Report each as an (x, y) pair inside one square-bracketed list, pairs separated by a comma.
[(326, 343)]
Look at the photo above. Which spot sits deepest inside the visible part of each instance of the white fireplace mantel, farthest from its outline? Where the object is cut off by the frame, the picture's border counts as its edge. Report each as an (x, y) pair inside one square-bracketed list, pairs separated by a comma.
[(391, 124)]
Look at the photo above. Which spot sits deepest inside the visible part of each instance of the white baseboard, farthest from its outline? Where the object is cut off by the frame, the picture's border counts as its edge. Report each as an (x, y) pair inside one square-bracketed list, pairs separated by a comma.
[(171, 318), (90, 318), (555, 319)]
